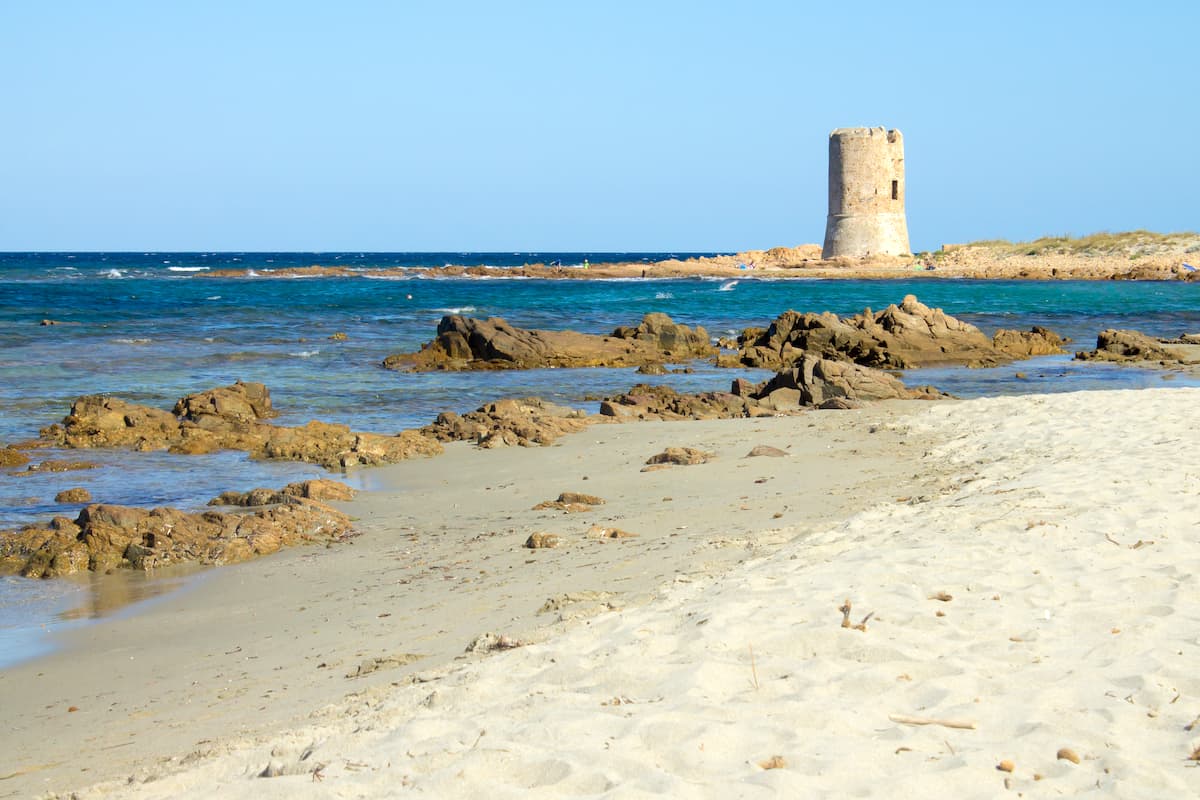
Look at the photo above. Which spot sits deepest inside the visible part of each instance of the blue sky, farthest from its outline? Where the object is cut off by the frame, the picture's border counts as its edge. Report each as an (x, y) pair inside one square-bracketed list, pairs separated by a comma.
[(582, 126)]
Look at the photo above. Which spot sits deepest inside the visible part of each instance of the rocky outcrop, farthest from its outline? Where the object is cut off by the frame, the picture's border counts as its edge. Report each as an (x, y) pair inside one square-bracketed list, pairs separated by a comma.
[(321, 489), (11, 457), (105, 537), (1037, 341), (646, 402), (76, 495), (527, 423), (819, 381), (899, 337), (227, 418), (464, 343), (1125, 345), (811, 382)]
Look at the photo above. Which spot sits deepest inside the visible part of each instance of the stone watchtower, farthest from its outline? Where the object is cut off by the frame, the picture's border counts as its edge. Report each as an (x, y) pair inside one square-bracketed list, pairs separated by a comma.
[(866, 194)]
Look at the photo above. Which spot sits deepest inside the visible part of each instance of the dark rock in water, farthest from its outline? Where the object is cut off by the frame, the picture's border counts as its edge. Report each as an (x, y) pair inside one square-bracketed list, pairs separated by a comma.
[(1124, 345), (321, 489), (228, 418), (464, 343), (1037, 341), (651, 369), (105, 537), (76, 495), (11, 457), (899, 337), (526, 423), (57, 465)]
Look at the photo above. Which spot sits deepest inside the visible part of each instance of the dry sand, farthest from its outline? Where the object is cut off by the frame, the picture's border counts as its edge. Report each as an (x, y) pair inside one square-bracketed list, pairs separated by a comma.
[(254, 648), (1036, 600)]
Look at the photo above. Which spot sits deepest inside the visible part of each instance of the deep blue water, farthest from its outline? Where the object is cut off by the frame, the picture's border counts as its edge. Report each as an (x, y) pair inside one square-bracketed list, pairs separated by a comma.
[(153, 327)]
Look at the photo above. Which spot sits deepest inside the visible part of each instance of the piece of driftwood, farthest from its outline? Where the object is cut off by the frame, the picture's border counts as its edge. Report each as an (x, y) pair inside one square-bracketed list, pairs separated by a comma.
[(904, 719)]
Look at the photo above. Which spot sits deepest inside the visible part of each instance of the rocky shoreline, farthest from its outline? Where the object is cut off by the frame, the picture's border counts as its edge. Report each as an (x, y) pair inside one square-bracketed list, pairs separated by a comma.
[(821, 361), (1136, 255)]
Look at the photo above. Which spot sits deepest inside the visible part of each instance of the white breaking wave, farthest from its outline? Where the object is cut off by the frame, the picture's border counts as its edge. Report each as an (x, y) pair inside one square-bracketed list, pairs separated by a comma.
[(457, 310), (663, 296), (186, 269)]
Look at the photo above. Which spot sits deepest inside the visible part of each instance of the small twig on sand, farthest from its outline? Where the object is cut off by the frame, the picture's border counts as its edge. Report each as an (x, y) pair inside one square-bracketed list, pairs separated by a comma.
[(1191, 725), (846, 623), (904, 719), (1111, 539), (753, 668)]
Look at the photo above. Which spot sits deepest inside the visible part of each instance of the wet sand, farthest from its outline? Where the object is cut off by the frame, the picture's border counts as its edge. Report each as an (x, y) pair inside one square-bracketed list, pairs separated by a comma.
[(257, 647)]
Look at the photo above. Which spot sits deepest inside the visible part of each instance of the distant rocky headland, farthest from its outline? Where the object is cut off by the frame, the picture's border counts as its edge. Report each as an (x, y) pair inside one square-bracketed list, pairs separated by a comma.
[(1132, 255)]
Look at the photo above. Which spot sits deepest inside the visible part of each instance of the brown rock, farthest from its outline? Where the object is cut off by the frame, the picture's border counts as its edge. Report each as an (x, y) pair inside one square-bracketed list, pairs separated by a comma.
[(11, 457), (899, 337), (106, 537), (814, 381), (539, 541), (76, 495), (570, 502), (320, 489), (647, 402), (228, 418), (682, 456), (651, 369), (338, 337), (601, 532), (1124, 345), (765, 450), (58, 465), (526, 423), (1037, 341), (463, 343)]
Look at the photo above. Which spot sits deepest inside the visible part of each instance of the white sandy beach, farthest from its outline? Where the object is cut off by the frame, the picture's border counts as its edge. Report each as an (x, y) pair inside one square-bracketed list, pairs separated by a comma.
[(1035, 583)]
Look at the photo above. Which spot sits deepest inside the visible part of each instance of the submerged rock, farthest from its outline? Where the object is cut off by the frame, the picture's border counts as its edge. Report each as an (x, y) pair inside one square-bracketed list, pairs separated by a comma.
[(76, 495), (228, 418), (12, 457), (464, 343)]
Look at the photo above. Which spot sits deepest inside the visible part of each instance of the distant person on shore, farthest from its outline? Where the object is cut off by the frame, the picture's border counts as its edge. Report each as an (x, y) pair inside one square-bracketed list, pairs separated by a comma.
[(585, 264)]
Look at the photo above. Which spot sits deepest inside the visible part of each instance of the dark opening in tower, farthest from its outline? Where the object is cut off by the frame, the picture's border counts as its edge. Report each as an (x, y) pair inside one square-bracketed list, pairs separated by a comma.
[(895, 190)]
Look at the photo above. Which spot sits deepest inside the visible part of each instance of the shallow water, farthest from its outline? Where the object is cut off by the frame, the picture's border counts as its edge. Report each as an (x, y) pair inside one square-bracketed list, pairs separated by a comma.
[(153, 327)]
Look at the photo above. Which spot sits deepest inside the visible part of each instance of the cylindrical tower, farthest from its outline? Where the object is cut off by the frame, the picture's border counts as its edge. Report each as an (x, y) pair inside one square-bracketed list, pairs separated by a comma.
[(866, 194)]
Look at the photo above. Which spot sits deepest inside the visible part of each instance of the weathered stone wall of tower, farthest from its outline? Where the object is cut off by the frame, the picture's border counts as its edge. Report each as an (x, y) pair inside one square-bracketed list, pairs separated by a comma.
[(866, 194)]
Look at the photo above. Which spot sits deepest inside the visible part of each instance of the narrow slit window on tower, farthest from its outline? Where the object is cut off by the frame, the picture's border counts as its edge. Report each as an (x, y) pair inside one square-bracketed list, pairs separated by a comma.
[(895, 190)]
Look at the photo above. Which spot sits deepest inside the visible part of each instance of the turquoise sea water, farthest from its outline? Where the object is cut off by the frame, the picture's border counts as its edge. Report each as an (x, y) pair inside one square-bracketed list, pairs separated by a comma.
[(152, 328)]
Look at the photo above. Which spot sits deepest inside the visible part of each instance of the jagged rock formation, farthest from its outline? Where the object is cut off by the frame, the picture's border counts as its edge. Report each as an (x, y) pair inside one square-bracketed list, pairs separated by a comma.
[(1037, 341), (463, 343), (105, 537), (819, 381), (812, 382), (528, 422), (899, 337), (227, 418), (1125, 345)]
